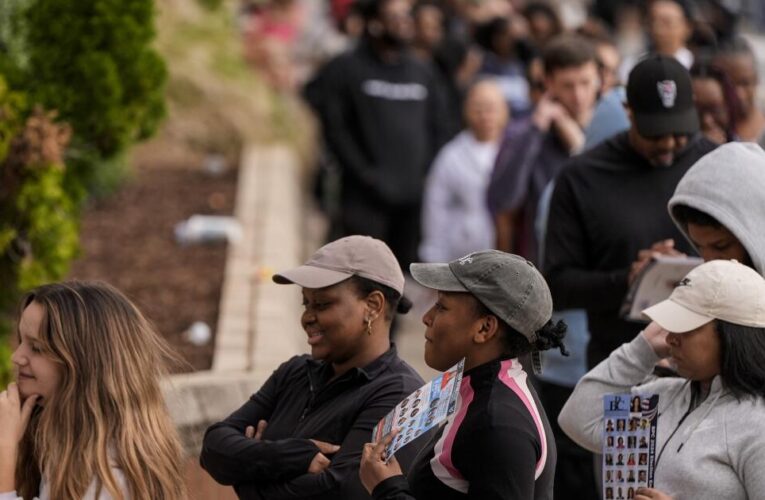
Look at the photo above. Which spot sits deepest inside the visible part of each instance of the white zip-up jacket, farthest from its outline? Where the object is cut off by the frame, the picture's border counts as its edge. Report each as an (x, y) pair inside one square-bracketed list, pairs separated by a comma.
[(714, 452), (455, 218)]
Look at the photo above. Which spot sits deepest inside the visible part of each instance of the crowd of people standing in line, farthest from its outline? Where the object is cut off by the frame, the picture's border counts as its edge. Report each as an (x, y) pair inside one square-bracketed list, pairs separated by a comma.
[(600, 123)]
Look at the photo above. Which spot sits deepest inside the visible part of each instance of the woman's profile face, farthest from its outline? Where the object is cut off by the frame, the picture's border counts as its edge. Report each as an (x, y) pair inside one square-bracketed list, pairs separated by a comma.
[(448, 336), (696, 354), (36, 370), (334, 319)]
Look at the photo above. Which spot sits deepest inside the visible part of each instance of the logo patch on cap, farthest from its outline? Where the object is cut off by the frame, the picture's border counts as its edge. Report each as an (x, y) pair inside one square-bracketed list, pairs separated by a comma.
[(468, 259), (667, 92)]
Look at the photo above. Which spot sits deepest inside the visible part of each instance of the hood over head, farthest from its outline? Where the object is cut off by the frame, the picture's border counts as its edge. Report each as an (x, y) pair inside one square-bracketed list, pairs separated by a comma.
[(729, 185)]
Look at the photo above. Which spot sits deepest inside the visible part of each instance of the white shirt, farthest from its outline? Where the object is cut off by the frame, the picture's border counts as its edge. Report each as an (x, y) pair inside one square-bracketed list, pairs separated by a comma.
[(455, 217), (89, 495)]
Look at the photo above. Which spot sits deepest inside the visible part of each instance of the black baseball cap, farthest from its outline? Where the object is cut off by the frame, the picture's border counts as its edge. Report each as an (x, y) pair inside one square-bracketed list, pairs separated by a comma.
[(660, 95)]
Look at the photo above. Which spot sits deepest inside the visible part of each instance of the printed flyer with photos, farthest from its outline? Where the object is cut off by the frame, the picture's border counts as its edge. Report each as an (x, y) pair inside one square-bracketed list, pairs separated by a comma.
[(629, 443), (422, 410), (655, 283)]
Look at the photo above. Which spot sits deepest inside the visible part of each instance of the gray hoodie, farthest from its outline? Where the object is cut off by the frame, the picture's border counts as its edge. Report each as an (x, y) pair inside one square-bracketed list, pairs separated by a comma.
[(716, 452), (729, 185)]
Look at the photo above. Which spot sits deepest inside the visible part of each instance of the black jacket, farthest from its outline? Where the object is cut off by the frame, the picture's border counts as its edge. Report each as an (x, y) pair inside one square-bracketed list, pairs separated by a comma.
[(383, 123), (609, 203), (300, 403), (498, 444)]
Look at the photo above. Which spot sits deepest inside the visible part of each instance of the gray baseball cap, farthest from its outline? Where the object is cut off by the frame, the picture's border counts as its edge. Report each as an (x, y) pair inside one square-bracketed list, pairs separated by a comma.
[(339, 260), (508, 285)]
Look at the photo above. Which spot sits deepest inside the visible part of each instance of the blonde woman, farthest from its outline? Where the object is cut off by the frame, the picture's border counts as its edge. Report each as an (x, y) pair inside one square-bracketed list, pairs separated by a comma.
[(86, 418)]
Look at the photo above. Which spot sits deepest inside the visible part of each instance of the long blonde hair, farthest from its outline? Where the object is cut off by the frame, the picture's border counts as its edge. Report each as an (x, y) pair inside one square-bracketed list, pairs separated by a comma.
[(109, 409)]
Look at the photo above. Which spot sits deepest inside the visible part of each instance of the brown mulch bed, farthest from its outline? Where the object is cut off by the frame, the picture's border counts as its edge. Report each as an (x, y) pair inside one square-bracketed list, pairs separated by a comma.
[(128, 241)]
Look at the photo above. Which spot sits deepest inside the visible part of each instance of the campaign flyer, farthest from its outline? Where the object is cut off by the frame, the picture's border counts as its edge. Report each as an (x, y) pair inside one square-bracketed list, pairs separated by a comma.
[(655, 283), (422, 410), (629, 443)]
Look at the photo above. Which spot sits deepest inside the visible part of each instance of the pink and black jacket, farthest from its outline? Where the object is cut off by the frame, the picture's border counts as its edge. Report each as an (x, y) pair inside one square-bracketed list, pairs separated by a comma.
[(497, 445)]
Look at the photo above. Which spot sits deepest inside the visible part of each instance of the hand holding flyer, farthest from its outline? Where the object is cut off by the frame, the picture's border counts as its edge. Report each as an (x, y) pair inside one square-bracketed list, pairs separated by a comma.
[(629, 443), (655, 283), (422, 410)]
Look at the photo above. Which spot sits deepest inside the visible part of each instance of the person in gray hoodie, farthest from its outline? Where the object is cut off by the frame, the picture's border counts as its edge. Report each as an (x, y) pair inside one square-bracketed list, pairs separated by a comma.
[(720, 202), (710, 441)]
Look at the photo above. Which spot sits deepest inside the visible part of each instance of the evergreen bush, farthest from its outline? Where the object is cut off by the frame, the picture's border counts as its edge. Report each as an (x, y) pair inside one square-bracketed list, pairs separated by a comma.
[(93, 62), (79, 83), (38, 218)]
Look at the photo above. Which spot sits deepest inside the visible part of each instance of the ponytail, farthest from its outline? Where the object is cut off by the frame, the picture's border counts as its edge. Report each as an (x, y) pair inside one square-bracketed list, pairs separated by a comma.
[(551, 336)]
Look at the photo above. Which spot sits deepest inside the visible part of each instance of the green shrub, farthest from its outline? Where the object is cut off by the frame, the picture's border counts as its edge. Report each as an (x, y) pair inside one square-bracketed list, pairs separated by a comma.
[(93, 62), (38, 218), (13, 54), (6, 367)]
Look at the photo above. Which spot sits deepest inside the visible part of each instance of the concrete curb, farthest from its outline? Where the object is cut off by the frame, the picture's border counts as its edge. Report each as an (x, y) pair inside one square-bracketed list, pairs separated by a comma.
[(258, 325), (253, 337), (251, 333), (197, 400)]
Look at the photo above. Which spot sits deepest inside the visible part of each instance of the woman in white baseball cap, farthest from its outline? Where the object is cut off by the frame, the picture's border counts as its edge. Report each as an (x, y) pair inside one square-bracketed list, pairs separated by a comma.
[(323, 406), (711, 431)]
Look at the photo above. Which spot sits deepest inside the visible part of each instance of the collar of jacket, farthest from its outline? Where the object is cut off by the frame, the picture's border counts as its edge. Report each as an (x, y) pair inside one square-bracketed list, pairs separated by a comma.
[(370, 371), (716, 390)]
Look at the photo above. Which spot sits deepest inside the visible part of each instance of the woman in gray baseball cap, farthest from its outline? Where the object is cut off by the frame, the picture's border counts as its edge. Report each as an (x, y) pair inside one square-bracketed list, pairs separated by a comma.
[(492, 307), (302, 433), (709, 443)]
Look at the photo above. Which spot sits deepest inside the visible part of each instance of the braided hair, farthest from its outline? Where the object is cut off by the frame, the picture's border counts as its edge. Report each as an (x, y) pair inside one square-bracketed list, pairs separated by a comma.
[(550, 336)]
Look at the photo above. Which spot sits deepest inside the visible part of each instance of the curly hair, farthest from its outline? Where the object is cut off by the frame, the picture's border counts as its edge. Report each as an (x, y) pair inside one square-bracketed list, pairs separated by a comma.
[(550, 336)]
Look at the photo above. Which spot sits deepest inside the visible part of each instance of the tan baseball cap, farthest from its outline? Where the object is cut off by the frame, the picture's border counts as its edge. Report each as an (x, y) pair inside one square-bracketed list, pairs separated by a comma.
[(718, 289), (337, 261)]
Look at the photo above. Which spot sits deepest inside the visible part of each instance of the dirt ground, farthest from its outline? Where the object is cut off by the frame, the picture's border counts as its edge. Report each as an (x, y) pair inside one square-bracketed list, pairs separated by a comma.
[(128, 241)]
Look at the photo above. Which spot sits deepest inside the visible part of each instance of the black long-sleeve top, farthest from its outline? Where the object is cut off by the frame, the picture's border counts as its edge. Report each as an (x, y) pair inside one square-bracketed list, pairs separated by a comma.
[(300, 401), (384, 122), (609, 203), (498, 444)]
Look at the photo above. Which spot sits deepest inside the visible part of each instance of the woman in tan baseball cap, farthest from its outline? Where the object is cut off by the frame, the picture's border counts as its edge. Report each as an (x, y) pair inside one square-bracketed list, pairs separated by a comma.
[(711, 434), (301, 434)]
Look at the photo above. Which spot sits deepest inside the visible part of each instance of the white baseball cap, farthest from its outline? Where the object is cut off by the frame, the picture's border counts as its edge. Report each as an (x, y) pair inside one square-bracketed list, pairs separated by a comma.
[(718, 289)]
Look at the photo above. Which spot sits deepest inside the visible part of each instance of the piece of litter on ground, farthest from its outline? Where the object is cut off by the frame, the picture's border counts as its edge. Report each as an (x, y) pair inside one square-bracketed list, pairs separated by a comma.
[(214, 164), (199, 333), (208, 229)]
